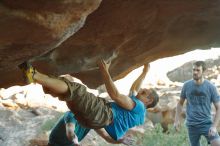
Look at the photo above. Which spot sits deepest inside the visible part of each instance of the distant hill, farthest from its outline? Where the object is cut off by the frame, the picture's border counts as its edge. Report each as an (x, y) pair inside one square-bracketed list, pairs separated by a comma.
[(184, 72)]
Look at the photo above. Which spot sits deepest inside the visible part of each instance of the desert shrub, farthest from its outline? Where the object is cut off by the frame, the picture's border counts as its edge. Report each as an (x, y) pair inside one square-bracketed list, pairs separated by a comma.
[(48, 125), (156, 137)]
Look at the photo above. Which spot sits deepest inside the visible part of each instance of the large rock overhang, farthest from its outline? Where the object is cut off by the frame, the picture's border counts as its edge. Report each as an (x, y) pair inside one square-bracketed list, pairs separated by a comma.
[(68, 37)]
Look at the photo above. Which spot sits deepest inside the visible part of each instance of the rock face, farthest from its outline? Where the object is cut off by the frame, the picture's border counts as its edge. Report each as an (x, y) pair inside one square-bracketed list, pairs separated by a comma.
[(184, 72), (27, 118), (59, 37)]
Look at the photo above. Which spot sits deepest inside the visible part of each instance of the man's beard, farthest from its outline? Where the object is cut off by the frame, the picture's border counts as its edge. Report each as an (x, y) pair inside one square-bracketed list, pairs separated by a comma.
[(196, 78)]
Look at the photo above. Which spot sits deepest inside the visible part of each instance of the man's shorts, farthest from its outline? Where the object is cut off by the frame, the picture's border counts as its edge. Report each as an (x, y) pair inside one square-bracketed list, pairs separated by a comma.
[(90, 111), (196, 132)]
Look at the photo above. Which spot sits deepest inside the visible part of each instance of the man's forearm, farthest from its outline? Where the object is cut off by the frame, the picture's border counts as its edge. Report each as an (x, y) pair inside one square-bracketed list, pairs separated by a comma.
[(137, 83), (111, 140), (179, 108), (122, 100), (110, 86), (216, 118), (106, 136), (70, 127)]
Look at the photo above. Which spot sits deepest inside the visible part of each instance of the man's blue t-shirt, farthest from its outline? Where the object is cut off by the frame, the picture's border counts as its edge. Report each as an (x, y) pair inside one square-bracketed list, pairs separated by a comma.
[(199, 99), (125, 119), (58, 133)]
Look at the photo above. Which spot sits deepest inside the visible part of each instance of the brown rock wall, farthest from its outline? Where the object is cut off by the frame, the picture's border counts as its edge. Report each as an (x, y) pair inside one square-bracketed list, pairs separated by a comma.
[(129, 33)]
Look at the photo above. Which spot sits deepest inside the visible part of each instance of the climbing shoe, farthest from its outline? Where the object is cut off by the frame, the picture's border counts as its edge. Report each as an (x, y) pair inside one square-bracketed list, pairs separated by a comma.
[(28, 72)]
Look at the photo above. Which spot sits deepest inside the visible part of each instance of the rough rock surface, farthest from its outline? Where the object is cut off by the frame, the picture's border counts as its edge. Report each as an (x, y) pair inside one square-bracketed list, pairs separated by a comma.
[(60, 37), (184, 72), (29, 122), (25, 114)]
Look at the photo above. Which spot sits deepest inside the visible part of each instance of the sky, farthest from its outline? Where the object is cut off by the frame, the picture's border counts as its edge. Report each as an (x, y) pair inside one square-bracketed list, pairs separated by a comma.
[(160, 67)]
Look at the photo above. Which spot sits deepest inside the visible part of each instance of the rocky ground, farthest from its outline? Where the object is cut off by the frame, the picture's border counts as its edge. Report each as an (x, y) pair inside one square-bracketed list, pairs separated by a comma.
[(28, 114)]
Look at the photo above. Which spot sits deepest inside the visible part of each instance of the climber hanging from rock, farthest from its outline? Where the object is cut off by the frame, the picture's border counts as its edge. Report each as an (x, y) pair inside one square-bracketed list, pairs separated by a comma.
[(93, 112)]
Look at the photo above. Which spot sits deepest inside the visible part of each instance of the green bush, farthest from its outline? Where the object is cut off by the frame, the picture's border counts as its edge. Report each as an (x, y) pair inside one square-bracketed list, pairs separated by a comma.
[(48, 125), (156, 137)]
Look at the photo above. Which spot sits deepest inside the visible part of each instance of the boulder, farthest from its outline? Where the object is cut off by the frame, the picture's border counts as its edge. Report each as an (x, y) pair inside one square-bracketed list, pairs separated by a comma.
[(61, 37)]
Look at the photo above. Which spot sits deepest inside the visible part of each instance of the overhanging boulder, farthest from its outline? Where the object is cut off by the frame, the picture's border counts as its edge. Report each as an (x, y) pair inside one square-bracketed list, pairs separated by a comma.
[(59, 38)]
